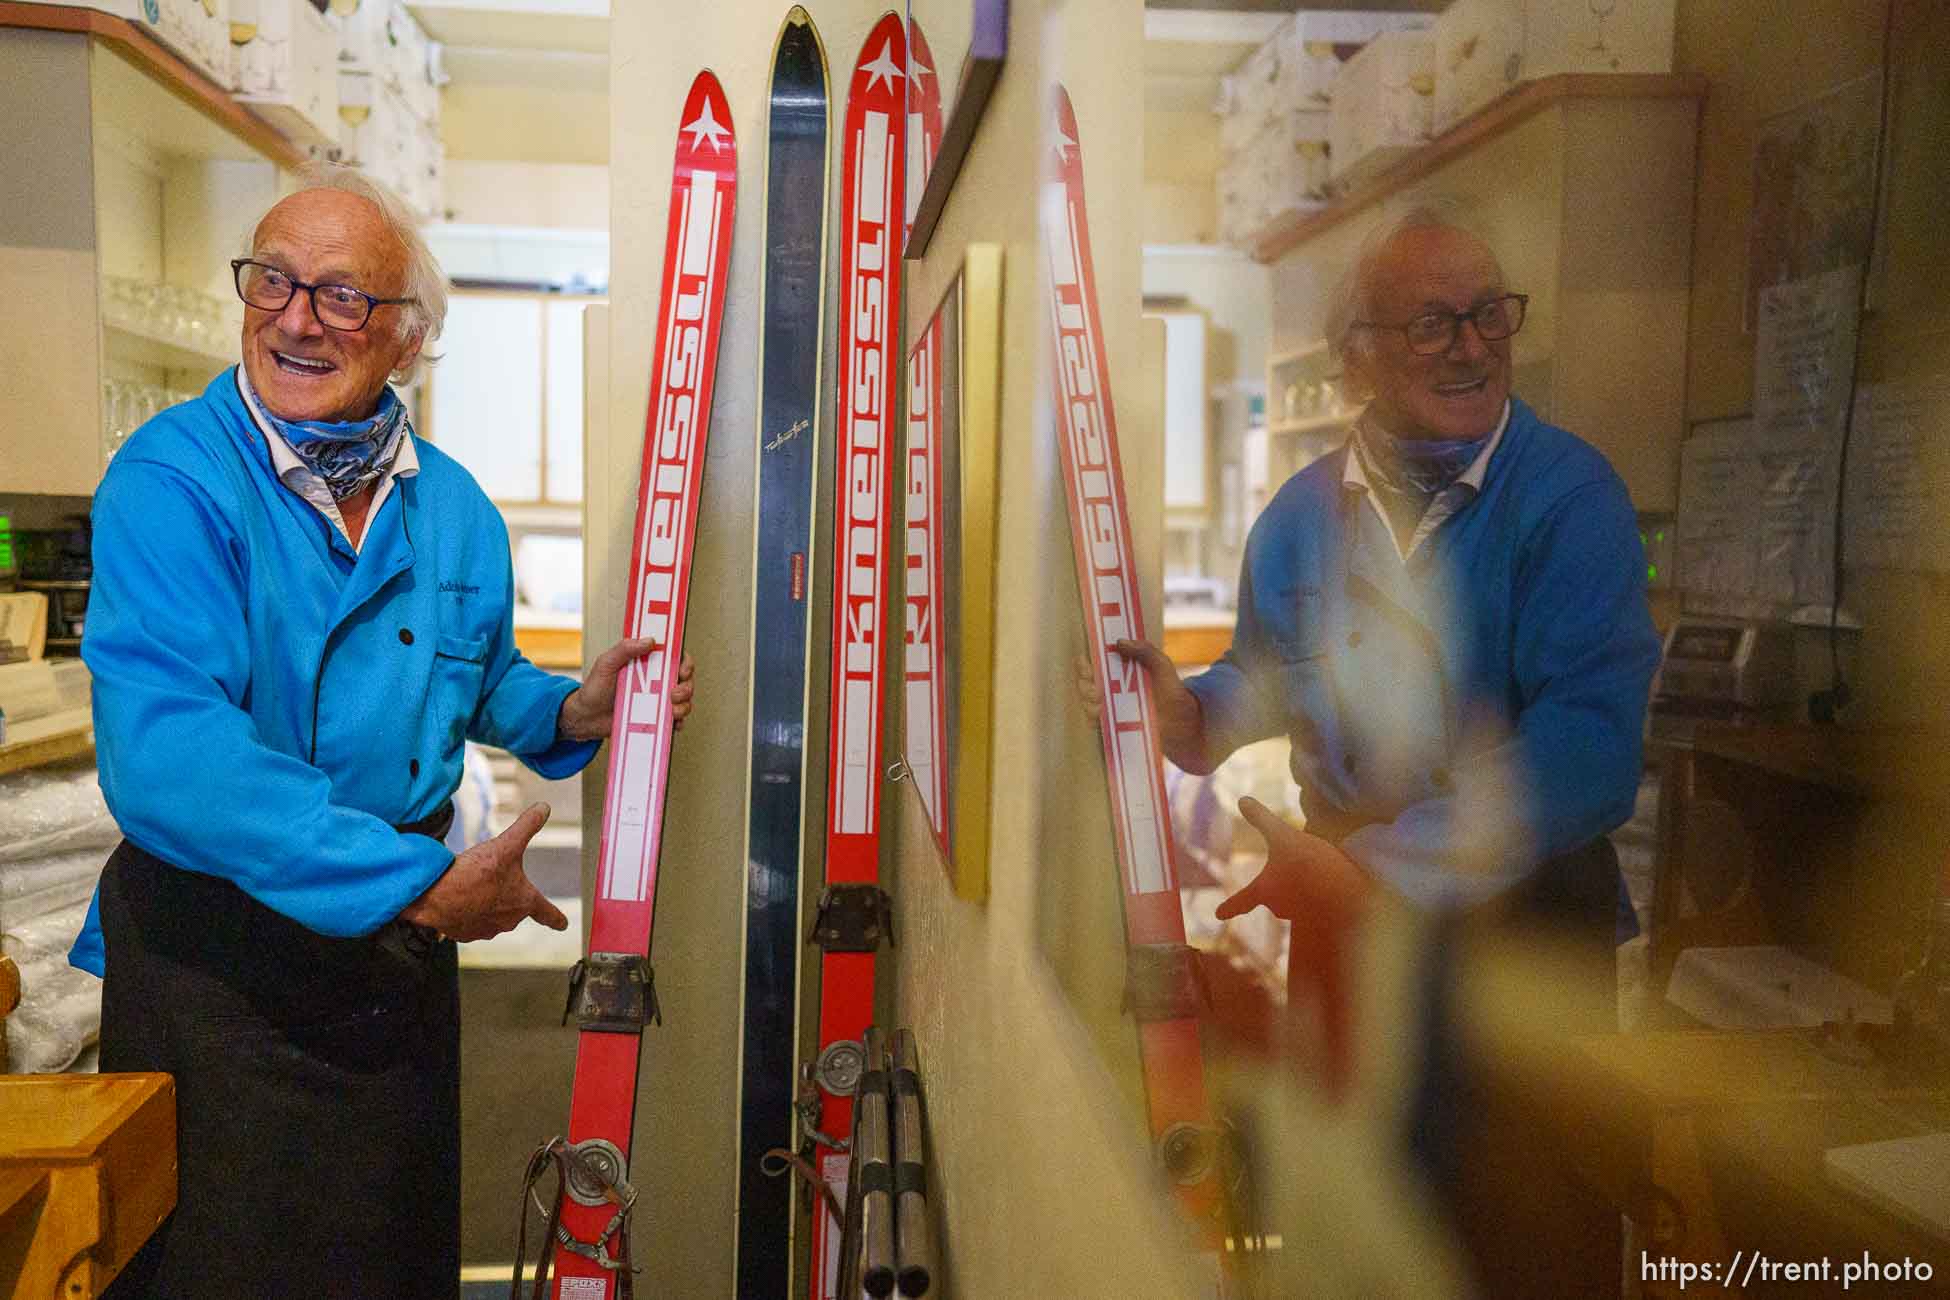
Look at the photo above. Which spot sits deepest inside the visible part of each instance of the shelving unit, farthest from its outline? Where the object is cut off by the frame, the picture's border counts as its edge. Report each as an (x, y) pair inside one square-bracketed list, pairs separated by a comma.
[(143, 170), (143, 348), (1493, 119), (1584, 184), (1307, 370)]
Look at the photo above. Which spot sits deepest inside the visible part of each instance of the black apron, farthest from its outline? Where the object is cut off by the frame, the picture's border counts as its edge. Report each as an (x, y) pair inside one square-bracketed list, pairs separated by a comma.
[(317, 1090)]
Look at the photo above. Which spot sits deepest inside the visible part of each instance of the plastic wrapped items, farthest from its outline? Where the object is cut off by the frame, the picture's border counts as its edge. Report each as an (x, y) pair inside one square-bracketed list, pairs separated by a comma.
[(50, 811), (60, 1011), (55, 834)]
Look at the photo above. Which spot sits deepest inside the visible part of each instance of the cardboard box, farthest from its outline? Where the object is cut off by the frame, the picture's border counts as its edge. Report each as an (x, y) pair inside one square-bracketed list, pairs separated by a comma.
[(287, 71), (1295, 70), (1483, 48), (1382, 105), (23, 626), (1285, 169)]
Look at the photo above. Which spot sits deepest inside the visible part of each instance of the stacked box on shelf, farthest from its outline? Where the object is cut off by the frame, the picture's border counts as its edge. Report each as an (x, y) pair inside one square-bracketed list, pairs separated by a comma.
[(198, 31), (1284, 169), (1383, 105), (284, 65), (390, 77), (1485, 47), (1294, 71)]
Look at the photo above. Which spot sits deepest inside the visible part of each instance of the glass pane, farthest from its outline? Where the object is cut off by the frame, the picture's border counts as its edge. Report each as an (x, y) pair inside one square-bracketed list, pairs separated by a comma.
[(565, 400), (487, 393)]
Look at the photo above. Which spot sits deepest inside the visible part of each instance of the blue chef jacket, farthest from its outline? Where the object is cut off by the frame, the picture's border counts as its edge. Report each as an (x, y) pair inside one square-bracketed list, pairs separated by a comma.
[(1476, 709), (269, 704)]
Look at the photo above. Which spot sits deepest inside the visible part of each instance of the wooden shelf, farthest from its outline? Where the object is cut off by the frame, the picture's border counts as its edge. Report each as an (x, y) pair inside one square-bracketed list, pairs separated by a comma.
[(155, 350), (59, 736), (1493, 119), (155, 60)]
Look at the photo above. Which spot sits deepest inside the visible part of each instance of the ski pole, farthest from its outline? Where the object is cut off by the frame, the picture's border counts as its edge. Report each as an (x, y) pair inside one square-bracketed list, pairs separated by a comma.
[(914, 1241), (876, 1172)]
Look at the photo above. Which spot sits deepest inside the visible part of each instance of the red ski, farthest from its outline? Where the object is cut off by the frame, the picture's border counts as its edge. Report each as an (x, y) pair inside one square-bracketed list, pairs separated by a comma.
[(852, 910), (925, 715), (611, 990), (1163, 978)]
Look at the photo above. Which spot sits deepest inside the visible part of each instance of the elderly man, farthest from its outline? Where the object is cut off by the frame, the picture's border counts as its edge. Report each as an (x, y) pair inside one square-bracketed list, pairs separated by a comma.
[(1447, 618), (299, 612)]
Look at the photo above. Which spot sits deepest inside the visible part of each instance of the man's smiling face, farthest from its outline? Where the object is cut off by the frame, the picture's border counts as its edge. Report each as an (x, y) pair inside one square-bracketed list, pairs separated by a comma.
[(303, 370), (1457, 393)]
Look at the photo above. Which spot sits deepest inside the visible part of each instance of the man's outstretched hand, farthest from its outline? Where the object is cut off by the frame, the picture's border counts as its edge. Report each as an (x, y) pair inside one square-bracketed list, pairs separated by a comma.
[(486, 892), (589, 710), (1325, 894)]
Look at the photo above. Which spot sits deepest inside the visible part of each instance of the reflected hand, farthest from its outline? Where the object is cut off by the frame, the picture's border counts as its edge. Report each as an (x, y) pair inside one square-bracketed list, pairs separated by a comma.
[(485, 891), (1181, 721), (1325, 894)]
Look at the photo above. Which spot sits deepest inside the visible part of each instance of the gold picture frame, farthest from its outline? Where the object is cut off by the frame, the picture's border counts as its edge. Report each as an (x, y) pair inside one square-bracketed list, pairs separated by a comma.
[(949, 532)]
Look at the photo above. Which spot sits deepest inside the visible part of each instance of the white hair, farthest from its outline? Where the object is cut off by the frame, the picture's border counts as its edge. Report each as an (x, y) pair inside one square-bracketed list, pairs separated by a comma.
[(1352, 298), (426, 284)]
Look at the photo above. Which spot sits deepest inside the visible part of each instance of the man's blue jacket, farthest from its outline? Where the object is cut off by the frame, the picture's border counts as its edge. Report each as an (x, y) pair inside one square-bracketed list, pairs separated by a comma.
[(1474, 710), (268, 703)]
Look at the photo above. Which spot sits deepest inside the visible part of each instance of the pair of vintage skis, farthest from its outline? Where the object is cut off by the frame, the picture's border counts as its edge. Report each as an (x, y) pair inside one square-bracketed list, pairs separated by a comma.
[(612, 990)]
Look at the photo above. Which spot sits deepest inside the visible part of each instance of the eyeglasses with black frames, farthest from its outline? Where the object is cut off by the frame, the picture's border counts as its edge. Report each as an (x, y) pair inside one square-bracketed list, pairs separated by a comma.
[(337, 306), (1435, 331)]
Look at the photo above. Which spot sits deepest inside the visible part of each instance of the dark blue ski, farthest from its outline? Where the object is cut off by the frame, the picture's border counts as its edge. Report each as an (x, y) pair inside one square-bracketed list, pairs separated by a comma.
[(791, 328)]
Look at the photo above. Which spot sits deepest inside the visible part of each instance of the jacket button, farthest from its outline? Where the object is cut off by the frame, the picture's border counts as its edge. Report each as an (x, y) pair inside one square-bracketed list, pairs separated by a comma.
[(413, 767), (1354, 638), (1440, 778), (406, 636), (1347, 764)]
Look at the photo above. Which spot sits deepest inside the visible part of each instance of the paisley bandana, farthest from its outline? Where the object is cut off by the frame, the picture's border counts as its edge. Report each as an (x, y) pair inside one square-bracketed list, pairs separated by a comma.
[(1407, 473), (349, 457)]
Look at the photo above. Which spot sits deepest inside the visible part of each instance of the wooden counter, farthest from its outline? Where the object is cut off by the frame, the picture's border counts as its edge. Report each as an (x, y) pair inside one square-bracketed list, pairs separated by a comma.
[(1713, 1142), (87, 1173)]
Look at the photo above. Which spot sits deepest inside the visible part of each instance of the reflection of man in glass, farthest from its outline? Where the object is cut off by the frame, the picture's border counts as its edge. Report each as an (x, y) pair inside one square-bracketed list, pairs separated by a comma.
[(1447, 618)]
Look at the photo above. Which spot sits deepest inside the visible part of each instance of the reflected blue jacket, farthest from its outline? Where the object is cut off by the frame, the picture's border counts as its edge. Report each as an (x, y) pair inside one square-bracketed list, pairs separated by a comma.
[(268, 703), (1475, 710)]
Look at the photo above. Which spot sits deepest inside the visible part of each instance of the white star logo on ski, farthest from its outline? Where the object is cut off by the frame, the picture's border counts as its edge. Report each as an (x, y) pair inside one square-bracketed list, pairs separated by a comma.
[(921, 70), (882, 68), (1063, 146), (706, 127)]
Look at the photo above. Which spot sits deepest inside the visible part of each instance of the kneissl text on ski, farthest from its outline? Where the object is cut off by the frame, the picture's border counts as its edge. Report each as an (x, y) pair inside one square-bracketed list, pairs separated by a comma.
[(612, 994)]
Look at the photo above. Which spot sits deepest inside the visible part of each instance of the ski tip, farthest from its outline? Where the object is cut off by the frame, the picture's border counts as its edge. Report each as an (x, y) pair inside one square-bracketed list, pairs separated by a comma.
[(706, 120), (797, 31)]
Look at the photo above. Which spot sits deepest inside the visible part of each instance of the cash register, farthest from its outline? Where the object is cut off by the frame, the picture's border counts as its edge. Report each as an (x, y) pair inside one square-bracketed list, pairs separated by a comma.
[(1727, 670)]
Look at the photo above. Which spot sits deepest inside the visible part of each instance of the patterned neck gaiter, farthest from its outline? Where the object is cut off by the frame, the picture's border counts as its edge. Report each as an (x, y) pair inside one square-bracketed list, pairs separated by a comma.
[(1407, 473), (349, 456)]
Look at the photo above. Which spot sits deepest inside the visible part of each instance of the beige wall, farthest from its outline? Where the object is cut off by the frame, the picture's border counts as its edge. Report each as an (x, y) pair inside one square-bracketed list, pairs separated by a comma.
[(1181, 152), (1023, 1110), (551, 196), (484, 120)]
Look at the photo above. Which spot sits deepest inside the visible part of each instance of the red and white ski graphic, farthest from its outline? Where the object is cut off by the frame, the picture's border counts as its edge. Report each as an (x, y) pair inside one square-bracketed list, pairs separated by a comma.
[(925, 679), (697, 256), (1163, 983), (873, 221)]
